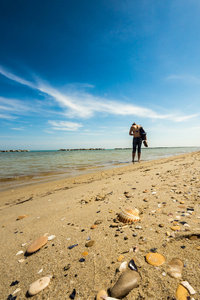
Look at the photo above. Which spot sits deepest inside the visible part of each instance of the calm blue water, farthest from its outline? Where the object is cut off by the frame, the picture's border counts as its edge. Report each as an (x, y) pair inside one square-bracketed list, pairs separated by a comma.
[(44, 164)]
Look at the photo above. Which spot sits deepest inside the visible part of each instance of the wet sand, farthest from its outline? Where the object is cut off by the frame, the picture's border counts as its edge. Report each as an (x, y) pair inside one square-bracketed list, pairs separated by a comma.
[(166, 192)]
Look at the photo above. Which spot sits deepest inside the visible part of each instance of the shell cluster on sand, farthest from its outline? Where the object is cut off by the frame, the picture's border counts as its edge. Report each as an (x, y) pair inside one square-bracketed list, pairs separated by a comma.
[(129, 215)]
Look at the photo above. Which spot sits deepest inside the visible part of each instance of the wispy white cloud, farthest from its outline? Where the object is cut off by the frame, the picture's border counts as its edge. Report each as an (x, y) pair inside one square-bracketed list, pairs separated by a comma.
[(7, 117), (63, 125), (79, 104), (18, 128), (186, 78), (12, 108), (186, 118), (15, 78)]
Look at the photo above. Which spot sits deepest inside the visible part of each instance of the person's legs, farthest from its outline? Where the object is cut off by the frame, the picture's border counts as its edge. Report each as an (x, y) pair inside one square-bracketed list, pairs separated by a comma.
[(139, 148), (134, 149)]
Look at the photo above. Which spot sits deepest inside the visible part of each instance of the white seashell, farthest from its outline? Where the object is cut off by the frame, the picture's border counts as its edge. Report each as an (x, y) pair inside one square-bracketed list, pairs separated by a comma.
[(38, 285), (51, 237), (21, 260), (19, 252), (40, 271), (16, 291), (123, 266), (24, 244), (110, 298), (129, 215), (188, 287)]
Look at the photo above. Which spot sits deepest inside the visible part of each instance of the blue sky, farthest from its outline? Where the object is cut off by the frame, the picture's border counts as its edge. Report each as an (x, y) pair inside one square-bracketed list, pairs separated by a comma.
[(77, 74)]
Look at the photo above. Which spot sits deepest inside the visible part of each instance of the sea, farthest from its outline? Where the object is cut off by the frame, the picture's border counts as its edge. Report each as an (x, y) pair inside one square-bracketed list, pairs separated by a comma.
[(22, 168)]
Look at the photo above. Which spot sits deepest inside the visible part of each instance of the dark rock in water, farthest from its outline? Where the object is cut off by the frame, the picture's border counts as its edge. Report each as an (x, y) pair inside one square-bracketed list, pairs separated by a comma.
[(73, 294), (127, 281)]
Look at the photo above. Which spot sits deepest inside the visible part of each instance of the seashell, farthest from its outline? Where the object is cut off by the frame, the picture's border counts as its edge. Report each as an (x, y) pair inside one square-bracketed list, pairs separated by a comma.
[(181, 293), (129, 215), (51, 237), (188, 287), (16, 291), (123, 266), (22, 217), (127, 281), (37, 244), (19, 252), (38, 285), (175, 267), (102, 295), (132, 265)]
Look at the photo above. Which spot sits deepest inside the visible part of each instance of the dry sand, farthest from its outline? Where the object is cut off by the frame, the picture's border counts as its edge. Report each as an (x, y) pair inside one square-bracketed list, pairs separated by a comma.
[(164, 190)]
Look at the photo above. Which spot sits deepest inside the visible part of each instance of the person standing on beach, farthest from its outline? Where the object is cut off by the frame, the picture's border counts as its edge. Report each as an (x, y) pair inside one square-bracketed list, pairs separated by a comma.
[(137, 140)]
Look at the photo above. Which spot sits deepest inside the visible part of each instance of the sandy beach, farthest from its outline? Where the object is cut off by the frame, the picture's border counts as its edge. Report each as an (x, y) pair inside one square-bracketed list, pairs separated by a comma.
[(167, 194)]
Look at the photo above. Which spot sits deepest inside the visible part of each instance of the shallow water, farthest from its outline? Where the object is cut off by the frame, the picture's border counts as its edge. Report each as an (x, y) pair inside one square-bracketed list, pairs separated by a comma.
[(40, 165)]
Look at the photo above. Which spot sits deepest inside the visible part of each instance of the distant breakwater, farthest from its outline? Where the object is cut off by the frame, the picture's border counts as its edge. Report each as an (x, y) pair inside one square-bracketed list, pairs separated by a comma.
[(82, 149), (14, 150)]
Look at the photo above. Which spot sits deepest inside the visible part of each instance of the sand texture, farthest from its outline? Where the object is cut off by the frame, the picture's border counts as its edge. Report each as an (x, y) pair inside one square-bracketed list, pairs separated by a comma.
[(167, 194)]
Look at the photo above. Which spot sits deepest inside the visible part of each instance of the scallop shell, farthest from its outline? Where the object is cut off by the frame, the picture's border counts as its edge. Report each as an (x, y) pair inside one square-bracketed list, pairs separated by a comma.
[(129, 215)]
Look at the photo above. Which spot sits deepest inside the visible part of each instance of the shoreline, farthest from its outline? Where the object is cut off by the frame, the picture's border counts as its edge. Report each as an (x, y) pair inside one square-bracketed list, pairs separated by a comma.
[(166, 192), (45, 177)]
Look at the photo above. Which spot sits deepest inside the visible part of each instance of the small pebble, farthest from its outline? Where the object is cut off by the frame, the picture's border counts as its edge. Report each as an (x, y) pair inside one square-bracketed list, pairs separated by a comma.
[(82, 259), (39, 285), (73, 294), (37, 244), (85, 253), (155, 259), (71, 247), (93, 226), (120, 258), (176, 227), (89, 243)]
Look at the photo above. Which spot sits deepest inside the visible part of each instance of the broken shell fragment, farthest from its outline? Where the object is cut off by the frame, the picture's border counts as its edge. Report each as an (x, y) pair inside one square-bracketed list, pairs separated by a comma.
[(102, 295), (181, 293), (123, 266), (126, 282), (38, 285), (51, 237), (174, 268), (188, 287), (129, 215), (21, 217), (132, 265), (37, 244)]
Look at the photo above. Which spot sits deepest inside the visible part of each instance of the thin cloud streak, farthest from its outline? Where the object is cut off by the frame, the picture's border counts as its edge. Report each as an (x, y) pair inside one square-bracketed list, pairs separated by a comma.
[(62, 125), (85, 105), (185, 78)]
